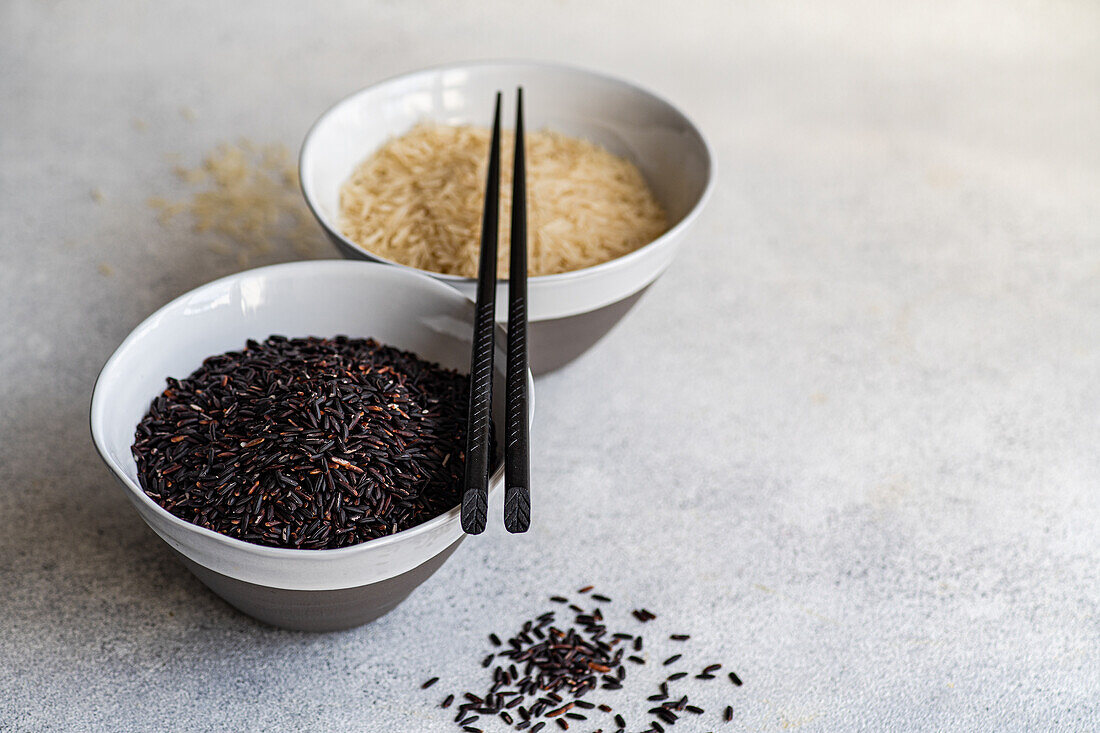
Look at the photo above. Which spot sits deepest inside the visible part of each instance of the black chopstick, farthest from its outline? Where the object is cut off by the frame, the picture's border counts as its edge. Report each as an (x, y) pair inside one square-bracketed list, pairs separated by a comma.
[(517, 459), (475, 497)]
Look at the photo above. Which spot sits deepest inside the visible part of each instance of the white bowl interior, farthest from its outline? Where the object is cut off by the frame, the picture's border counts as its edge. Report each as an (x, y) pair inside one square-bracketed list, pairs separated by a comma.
[(629, 121), (321, 298)]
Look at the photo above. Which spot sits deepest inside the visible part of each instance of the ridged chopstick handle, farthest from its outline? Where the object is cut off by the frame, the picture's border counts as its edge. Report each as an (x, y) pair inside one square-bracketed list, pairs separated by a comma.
[(517, 458), (475, 497), (517, 493)]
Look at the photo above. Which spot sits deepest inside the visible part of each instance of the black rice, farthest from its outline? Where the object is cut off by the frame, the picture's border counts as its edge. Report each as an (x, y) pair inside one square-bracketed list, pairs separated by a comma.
[(552, 670), (307, 443)]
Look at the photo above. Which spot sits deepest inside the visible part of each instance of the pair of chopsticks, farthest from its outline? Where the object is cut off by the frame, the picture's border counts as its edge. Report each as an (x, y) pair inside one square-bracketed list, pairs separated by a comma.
[(517, 489)]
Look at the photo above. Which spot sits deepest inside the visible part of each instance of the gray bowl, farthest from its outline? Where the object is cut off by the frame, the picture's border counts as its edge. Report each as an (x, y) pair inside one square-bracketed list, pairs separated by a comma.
[(570, 311), (315, 590)]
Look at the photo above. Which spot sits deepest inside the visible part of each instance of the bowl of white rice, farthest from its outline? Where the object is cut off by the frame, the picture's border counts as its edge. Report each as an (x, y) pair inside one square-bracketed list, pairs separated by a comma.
[(616, 176)]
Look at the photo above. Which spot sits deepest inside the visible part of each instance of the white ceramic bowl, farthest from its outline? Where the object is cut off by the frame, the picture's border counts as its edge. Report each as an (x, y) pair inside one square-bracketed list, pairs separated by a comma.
[(314, 589), (624, 118)]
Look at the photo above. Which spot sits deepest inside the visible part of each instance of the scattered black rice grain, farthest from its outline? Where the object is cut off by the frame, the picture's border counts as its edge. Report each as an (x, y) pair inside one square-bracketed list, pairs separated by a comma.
[(735, 679), (547, 667), (306, 443), (447, 701), (471, 729), (601, 599), (728, 715), (585, 589), (429, 683), (665, 714)]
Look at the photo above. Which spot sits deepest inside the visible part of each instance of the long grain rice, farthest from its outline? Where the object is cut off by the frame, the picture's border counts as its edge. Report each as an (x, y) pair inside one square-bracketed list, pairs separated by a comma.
[(418, 200)]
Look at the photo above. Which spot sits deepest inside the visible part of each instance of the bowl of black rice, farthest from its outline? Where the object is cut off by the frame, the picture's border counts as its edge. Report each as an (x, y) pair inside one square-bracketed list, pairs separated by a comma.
[(295, 434)]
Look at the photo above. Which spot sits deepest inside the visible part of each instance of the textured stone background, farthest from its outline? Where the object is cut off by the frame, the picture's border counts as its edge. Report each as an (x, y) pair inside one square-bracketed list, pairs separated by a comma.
[(849, 441)]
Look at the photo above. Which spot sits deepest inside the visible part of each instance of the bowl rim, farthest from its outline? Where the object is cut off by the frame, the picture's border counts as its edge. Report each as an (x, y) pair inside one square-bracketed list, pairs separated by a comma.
[(98, 411), (669, 236)]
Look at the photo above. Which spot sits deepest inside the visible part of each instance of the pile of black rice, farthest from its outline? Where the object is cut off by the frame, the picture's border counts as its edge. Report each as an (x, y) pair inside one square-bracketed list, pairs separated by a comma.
[(307, 443), (547, 675)]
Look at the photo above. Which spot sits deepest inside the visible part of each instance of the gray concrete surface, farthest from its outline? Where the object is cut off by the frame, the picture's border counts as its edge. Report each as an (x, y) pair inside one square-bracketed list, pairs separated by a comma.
[(849, 441)]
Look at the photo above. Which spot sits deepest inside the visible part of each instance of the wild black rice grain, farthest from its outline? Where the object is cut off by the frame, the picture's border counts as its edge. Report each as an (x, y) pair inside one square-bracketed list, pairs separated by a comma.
[(306, 443), (728, 715), (546, 668), (447, 701), (735, 679), (429, 683)]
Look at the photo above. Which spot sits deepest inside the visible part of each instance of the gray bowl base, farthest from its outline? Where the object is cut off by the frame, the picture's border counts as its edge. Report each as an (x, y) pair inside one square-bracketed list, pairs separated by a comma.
[(556, 342), (553, 343), (318, 610)]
